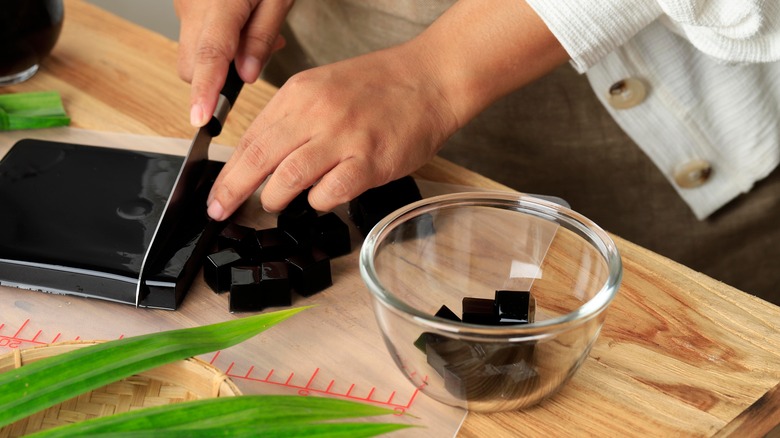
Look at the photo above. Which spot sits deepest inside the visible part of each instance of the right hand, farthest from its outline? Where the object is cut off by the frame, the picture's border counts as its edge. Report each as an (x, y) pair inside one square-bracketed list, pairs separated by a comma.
[(216, 32)]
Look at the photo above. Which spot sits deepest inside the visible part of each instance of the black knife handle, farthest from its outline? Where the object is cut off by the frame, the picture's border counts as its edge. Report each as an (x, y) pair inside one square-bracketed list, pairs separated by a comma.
[(233, 84), (231, 89)]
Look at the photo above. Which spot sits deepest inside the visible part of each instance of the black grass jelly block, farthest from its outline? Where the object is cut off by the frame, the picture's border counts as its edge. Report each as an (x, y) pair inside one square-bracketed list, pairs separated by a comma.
[(216, 270), (426, 337), (245, 294), (446, 313), (515, 307), (477, 381), (479, 311), (255, 288), (331, 234), (374, 204), (298, 217), (271, 244), (485, 370), (438, 351), (235, 236), (309, 272), (275, 279), (421, 342)]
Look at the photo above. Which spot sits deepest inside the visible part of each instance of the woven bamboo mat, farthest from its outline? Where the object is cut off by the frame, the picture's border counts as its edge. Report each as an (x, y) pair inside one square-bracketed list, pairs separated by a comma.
[(180, 381)]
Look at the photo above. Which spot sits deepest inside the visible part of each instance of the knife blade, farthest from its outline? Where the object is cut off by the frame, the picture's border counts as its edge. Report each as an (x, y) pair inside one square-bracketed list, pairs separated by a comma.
[(188, 179)]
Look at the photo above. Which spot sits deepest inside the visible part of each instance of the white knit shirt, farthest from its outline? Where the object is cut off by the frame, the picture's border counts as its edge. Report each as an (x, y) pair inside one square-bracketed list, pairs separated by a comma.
[(710, 72)]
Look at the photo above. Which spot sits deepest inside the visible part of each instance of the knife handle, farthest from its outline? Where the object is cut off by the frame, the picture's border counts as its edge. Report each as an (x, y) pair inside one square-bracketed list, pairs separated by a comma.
[(228, 96), (233, 84)]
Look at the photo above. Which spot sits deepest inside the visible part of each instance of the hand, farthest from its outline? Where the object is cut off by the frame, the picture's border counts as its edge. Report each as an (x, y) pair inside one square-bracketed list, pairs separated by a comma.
[(363, 122), (343, 128), (216, 32)]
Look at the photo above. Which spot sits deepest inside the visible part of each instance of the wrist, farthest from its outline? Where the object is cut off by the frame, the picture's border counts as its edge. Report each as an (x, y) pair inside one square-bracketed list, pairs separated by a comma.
[(477, 52)]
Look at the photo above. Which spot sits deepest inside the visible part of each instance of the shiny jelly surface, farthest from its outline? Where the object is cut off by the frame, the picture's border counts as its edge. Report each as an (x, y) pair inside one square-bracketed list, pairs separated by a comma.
[(82, 207)]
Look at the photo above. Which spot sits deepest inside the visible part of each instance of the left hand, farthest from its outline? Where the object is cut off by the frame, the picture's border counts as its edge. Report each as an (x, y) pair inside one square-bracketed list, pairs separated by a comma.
[(344, 128)]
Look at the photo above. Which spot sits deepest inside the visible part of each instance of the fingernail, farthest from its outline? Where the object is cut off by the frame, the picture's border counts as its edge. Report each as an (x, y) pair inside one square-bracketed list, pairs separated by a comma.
[(215, 211), (251, 68), (196, 115)]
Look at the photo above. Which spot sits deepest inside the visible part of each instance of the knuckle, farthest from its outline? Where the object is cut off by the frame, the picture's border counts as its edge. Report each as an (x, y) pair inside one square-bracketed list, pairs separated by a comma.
[(252, 153), (261, 39), (291, 174), (210, 53), (373, 164), (246, 5), (385, 173), (338, 188), (296, 83), (227, 194)]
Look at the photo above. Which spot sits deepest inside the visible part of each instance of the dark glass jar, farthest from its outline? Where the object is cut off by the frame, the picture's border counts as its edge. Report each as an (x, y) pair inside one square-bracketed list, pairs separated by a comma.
[(28, 31)]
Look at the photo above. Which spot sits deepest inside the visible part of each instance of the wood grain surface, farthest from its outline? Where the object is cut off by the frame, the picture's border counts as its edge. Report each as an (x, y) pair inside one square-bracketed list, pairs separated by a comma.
[(680, 354)]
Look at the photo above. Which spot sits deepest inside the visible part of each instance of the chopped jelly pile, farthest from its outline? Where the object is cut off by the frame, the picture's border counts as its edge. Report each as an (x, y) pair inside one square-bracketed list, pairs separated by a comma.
[(483, 370), (262, 268)]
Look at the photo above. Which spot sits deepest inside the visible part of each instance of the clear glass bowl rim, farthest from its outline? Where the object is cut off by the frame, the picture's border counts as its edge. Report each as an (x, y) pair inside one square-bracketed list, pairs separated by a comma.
[(506, 200)]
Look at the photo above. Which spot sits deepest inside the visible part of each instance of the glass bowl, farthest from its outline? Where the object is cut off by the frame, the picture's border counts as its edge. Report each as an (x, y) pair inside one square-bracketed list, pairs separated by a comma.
[(546, 260)]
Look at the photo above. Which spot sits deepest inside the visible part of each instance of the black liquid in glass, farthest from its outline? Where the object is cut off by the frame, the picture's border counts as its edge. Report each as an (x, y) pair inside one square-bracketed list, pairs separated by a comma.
[(78, 219), (28, 31)]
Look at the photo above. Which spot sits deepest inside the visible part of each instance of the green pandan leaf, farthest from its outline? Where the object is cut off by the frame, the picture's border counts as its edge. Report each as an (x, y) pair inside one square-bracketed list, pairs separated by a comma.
[(39, 103), (4, 122), (32, 111), (15, 122), (46, 382), (258, 415)]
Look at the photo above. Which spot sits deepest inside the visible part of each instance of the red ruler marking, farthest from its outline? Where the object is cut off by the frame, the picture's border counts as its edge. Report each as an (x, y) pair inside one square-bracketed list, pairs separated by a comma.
[(18, 341), (24, 324), (311, 388), (311, 380)]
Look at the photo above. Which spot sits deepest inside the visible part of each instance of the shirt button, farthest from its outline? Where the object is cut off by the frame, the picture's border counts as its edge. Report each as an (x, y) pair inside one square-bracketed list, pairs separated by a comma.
[(693, 174), (626, 93)]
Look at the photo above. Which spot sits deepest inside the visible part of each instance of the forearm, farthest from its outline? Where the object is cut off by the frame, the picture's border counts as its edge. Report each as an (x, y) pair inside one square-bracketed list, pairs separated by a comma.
[(478, 51)]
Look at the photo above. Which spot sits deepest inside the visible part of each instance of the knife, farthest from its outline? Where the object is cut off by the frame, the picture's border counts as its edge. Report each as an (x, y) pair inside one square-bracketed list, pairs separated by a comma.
[(188, 179)]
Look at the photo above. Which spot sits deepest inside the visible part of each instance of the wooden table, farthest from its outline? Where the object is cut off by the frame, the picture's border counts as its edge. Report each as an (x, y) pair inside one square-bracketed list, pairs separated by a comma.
[(680, 353)]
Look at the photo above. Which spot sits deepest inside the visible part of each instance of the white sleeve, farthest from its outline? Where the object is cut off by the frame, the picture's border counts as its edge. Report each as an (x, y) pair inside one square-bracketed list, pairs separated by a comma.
[(733, 31)]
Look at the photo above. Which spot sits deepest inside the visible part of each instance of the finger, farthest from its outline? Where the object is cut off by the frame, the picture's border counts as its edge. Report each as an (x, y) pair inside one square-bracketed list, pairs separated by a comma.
[(187, 34), (191, 21), (256, 156), (260, 38), (216, 48), (343, 183), (279, 44), (262, 128), (258, 126), (297, 172)]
